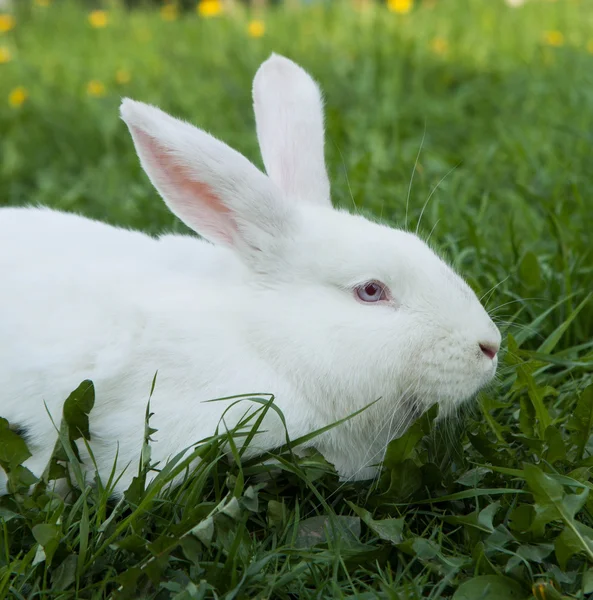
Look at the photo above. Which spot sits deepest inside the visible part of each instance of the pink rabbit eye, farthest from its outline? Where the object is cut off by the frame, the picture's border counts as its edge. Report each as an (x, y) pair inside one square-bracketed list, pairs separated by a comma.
[(371, 291)]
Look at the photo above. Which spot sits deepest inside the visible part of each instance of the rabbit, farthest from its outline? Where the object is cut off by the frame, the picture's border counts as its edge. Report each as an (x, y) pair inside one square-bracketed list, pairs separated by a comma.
[(281, 294)]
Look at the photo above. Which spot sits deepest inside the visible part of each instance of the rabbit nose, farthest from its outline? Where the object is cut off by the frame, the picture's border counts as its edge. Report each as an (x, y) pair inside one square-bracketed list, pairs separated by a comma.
[(490, 349)]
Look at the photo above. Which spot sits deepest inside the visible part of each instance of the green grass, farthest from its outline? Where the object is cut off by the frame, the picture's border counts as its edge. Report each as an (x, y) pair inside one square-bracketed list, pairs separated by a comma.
[(484, 508)]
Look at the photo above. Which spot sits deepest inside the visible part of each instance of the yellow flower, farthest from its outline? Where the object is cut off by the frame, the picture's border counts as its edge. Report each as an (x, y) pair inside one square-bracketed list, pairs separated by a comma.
[(7, 22), (122, 76), (545, 590), (95, 88), (256, 29), (439, 45), (43, 3), (98, 19), (17, 97), (590, 46), (5, 55), (209, 8), (539, 590), (169, 12), (554, 38), (400, 6)]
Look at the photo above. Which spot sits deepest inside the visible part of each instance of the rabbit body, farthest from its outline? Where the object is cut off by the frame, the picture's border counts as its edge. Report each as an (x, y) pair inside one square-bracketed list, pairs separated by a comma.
[(325, 310), (119, 326), (110, 312)]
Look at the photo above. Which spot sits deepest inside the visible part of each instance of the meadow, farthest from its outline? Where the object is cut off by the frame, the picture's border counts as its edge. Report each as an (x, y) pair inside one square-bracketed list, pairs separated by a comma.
[(469, 120)]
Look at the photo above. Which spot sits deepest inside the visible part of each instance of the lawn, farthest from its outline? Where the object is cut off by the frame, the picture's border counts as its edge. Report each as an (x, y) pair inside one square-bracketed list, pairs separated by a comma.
[(470, 120)]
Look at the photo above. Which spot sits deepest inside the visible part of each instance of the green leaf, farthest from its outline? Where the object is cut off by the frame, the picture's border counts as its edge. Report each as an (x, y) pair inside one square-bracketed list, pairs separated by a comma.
[(65, 574), (23, 477), (425, 549), (48, 537), (232, 509), (573, 540), (405, 479), (484, 565), (250, 500), (535, 554), (581, 421), (486, 448), (527, 417), (77, 407), (521, 518), (429, 551), (13, 449), (204, 531), (556, 448), (390, 530), (549, 496), (552, 504), (135, 491), (490, 587), (481, 520), (327, 528), (486, 516), (133, 543), (44, 533), (588, 582), (473, 477), (402, 448), (7, 515), (129, 580)]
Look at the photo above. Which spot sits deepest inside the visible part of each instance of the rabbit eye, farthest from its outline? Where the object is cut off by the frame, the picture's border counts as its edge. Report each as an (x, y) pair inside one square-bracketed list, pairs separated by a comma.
[(371, 291)]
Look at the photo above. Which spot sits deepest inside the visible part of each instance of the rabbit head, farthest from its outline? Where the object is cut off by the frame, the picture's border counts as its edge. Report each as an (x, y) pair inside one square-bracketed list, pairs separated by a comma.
[(348, 309)]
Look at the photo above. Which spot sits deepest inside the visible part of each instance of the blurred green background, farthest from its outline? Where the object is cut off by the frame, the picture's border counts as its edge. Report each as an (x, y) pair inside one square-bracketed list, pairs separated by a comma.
[(477, 112)]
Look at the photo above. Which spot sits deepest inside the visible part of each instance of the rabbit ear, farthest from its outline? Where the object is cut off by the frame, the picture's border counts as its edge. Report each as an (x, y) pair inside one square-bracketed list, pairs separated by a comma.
[(289, 119), (212, 188)]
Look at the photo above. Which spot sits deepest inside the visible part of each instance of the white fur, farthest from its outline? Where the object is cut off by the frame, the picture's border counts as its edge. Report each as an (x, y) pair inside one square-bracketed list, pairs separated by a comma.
[(269, 309)]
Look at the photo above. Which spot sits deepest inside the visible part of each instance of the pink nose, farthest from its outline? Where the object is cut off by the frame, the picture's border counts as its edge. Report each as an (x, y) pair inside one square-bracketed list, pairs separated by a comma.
[(489, 349)]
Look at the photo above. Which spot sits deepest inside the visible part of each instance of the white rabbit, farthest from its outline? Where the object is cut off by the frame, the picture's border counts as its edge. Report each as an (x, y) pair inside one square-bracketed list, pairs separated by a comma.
[(326, 310)]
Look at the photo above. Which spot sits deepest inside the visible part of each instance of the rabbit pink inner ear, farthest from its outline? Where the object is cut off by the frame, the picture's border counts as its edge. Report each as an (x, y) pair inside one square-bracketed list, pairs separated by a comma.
[(192, 200)]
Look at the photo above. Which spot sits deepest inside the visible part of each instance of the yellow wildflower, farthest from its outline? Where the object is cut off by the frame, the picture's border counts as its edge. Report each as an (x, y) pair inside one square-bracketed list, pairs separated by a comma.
[(590, 46), (169, 12), (5, 55), (554, 38), (256, 29), (17, 97), (209, 8), (122, 76), (7, 22), (400, 6), (439, 45), (98, 19), (539, 590), (95, 88), (544, 590), (42, 3)]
